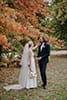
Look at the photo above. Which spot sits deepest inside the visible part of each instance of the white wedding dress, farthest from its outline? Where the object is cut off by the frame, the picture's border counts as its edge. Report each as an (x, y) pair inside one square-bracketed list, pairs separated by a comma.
[(27, 79)]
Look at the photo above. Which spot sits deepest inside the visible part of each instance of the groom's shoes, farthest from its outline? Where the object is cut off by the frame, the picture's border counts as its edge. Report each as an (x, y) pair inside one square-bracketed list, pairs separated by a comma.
[(43, 86)]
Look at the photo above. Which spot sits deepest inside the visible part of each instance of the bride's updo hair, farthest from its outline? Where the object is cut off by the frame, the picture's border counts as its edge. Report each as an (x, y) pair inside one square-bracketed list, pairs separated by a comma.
[(30, 43)]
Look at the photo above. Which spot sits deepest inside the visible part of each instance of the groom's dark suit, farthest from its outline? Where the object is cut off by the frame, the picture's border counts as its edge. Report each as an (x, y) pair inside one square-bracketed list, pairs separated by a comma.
[(43, 52)]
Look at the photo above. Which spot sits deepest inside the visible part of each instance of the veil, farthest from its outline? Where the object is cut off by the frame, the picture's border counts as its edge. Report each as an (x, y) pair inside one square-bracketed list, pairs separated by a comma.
[(24, 58), (23, 72), (24, 65)]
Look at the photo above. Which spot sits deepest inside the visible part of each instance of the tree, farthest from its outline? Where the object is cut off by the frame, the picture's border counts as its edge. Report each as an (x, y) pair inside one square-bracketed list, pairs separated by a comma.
[(19, 21), (58, 11)]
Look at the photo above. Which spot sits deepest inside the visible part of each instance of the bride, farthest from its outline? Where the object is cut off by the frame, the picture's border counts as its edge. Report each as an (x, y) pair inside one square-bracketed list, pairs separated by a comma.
[(28, 76)]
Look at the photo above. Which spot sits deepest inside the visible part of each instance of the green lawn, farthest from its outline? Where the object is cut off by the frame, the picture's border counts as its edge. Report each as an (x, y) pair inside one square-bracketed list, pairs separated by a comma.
[(56, 88)]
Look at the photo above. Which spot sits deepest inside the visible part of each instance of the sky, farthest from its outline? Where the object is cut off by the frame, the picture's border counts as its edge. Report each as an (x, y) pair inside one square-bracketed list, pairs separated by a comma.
[(48, 0)]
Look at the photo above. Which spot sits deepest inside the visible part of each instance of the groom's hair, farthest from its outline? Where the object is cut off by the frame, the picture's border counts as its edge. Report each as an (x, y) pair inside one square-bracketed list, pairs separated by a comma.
[(41, 36)]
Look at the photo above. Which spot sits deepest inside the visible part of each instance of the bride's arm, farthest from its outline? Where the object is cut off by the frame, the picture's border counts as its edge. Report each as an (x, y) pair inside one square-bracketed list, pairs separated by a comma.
[(35, 47)]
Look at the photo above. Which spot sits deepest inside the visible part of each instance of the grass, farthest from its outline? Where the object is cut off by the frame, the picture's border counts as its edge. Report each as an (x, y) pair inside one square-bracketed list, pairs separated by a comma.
[(56, 87)]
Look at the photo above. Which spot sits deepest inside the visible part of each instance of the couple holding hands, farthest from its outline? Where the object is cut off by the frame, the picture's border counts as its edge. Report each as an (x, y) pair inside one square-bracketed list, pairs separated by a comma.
[(28, 74)]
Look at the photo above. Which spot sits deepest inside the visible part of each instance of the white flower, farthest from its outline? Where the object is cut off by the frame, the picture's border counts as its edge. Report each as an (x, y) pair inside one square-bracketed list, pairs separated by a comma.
[(33, 75)]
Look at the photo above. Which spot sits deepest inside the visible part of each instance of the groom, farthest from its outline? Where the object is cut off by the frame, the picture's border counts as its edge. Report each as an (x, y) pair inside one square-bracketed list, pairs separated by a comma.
[(43, 59)]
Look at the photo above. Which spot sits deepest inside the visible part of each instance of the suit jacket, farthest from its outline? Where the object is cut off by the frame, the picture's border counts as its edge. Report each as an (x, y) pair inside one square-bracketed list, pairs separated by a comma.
[(44, 53)]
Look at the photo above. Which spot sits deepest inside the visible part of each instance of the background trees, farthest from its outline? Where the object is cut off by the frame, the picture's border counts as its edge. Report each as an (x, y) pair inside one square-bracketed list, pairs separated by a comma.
[(58, 13), (20, 21)]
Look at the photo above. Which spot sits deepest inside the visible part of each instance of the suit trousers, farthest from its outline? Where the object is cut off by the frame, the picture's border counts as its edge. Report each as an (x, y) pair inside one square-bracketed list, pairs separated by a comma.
[(43, 72)]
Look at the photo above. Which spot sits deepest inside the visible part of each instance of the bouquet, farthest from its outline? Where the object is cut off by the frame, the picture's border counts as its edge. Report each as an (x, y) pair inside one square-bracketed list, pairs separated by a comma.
[(32, 74)]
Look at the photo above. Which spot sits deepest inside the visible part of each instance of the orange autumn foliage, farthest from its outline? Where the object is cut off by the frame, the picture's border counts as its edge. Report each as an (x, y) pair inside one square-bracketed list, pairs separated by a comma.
[(23, 19), (3, 40)]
